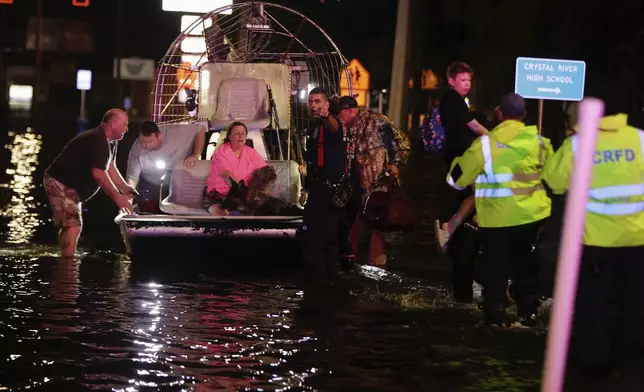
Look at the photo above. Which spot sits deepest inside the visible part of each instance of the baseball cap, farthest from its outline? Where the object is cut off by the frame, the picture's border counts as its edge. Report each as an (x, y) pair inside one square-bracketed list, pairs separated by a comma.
[(347, 102)]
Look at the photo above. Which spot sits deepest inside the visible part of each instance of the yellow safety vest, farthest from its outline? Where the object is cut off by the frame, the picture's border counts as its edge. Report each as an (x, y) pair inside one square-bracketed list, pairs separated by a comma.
[(505, 167), (615, 207)]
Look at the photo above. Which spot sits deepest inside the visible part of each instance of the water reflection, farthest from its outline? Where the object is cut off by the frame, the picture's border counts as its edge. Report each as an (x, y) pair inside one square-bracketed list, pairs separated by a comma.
[(64, 285), (103, 323), (238, 337), (64, 290), (21, 208)]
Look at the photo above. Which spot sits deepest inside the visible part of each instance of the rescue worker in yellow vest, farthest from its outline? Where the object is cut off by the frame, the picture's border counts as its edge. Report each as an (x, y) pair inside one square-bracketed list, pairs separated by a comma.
[(511, 205), (613, 253)]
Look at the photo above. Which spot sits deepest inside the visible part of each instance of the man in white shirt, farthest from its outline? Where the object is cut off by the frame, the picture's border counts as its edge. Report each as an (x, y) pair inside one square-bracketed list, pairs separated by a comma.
[(159, 149)]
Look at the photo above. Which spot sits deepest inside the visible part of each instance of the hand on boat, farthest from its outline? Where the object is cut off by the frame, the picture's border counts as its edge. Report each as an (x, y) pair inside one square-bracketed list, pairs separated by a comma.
[(304, 195), (191, 161), (130, 192), (123, 203), (302, 169)]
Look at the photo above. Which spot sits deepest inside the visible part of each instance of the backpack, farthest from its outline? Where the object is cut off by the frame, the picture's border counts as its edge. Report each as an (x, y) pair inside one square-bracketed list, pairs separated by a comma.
[(432, 133)]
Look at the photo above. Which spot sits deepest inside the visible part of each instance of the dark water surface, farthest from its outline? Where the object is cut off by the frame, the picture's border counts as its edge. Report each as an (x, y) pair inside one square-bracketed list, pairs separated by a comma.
[(104, 322)]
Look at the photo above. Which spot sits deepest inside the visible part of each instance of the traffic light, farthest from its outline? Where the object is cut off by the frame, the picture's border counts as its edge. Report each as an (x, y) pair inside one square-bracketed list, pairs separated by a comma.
[(79, 3), (6, 1)]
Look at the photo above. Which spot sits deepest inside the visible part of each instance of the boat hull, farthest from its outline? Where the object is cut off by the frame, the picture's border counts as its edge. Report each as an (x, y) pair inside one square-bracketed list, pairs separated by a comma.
[(171, 236)]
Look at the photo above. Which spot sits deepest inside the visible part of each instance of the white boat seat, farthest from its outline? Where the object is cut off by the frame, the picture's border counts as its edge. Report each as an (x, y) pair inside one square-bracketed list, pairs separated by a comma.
[(242, 99), (187, 185)]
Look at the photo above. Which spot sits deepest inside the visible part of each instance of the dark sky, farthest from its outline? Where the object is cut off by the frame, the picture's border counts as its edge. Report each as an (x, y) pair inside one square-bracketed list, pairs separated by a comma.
[(489, 35), (361, 28)]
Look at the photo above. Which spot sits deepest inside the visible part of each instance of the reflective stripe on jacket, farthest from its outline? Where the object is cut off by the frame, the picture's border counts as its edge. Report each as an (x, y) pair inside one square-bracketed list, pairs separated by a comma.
[(505, 167), (615, 207)]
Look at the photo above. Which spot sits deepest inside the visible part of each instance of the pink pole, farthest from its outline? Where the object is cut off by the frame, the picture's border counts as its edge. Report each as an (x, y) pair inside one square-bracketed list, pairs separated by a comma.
[(590, 112)]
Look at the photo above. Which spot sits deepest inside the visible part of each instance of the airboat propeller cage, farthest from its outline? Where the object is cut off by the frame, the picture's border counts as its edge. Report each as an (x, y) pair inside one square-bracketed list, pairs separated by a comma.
[(218, 71), (230, 55)]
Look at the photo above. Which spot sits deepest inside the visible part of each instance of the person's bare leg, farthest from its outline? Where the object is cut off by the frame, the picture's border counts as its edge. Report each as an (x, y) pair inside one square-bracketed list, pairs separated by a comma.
[(377, 253), (68, 240), (474, 225), (444, 231), (461, 215)]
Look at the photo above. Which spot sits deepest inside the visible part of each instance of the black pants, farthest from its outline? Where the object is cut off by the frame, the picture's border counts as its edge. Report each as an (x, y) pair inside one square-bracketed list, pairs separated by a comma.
[(350, 214), (320, 236), (463, 251), (603, 271), (510, 252)]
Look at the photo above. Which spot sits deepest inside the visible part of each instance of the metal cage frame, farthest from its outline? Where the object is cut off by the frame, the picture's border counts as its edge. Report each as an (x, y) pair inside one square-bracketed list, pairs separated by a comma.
[(320, 63)]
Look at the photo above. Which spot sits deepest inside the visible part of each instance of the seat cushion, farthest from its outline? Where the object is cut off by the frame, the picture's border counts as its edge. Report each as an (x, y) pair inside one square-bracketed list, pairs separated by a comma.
[(187, 185), (242, 99), (258, 125), (177, 209)]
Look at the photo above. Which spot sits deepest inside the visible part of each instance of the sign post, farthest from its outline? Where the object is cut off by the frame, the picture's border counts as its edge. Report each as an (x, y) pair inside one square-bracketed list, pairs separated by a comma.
[(559, 80), (83, 83)]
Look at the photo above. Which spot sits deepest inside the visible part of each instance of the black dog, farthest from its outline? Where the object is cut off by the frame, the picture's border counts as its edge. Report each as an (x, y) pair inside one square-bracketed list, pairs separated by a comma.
[(252, 199)]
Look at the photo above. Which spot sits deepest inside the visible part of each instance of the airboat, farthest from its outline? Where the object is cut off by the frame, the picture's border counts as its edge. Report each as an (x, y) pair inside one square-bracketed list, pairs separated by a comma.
[(253, 62)]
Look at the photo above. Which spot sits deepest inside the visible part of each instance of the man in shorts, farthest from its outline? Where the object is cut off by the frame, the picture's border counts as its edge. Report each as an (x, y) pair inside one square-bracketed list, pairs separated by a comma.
[(86, 164)]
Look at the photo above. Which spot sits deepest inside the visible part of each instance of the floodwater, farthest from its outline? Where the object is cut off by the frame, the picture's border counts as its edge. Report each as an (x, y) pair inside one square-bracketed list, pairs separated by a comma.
[(105, 322)]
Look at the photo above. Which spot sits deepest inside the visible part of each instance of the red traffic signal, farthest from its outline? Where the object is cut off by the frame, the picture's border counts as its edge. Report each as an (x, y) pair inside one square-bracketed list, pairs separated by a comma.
[(6, 1), (79, 3)]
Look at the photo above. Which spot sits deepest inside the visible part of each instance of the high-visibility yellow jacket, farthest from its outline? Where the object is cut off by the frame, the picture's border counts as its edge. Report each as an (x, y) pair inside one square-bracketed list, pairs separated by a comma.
[(615, 208), (505, 166)]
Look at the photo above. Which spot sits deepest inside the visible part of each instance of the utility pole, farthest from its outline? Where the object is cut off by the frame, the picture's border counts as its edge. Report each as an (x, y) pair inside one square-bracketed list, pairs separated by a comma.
[(418, 101), (36, 91), (119, 48), (399, 72)]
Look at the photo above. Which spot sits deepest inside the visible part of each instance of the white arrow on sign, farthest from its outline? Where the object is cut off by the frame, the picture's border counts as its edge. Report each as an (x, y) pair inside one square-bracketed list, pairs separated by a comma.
[(548, 90)]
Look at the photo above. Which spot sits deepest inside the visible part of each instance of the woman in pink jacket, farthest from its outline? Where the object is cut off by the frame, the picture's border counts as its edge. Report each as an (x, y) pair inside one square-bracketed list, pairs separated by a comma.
[(232, 163)]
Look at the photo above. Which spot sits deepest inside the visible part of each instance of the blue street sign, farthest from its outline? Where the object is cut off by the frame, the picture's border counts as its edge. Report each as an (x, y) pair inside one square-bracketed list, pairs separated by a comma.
[(561, 80)]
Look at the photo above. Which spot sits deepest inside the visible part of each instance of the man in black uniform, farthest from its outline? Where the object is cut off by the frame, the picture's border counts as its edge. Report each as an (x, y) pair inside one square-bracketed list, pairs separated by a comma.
[(327, 161), (86, 163)]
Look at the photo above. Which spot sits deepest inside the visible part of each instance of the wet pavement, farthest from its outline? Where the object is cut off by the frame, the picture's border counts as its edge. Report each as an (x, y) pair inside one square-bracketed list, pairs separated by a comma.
[(104, 322)]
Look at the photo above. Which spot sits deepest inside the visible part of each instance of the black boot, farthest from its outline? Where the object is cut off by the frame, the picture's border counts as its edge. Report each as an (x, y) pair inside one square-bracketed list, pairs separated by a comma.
[(347, 263), (494, 315), (527, 314)]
